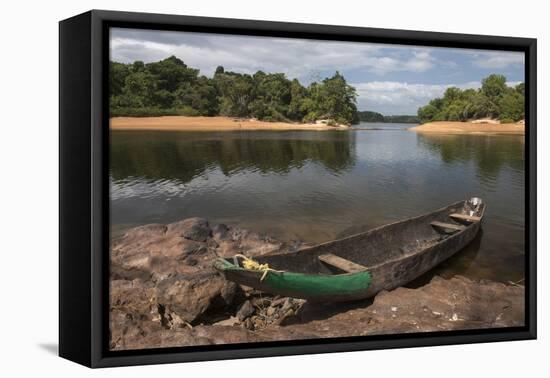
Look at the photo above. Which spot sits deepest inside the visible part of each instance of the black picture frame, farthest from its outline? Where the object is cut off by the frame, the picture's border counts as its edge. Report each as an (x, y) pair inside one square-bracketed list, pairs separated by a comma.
[(84, 187)]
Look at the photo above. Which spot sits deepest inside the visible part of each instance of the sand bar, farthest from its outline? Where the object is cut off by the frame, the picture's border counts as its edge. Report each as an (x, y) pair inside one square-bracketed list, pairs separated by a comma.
[(447, 127), (184, 123)]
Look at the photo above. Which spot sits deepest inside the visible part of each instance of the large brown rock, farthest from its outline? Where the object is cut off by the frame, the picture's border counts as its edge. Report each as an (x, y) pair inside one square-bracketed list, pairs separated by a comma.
[(237, 240), (133, 311), (156, 252), (162, 277), (131, 254), (185, 298), (134, 297), (196, 229)]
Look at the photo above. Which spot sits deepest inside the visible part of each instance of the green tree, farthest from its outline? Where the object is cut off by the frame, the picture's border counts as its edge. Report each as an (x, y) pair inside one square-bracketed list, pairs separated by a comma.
[(368, 116), (428, 113), (480, 106), (452, 94), (493, 86), (197, 98), (512, 105), (117, 77), (298, 96), (272, 95), (235, 93), (333, 99), (494, 99), (138, 91), (169, 86), (520, 89), (171, 72), (137, 66)]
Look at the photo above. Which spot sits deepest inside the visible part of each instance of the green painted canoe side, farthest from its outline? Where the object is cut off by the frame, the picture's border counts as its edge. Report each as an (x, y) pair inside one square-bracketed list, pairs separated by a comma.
[(314, 285)]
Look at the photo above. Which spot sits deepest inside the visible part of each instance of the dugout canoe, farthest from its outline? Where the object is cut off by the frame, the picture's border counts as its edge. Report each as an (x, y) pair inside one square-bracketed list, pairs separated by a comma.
[(361, 265)]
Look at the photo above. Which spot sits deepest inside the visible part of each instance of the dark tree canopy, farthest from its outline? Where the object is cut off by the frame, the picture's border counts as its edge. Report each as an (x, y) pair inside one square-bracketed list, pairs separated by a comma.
[(495, 99), (370, 116), (170, 87)]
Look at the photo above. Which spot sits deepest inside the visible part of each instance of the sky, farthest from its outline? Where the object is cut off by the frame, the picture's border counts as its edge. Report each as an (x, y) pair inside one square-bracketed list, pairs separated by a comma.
[(390, 79)]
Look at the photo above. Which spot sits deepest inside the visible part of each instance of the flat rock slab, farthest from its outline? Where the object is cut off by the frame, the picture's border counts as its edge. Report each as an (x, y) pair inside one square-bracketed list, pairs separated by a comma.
[(441, 305)]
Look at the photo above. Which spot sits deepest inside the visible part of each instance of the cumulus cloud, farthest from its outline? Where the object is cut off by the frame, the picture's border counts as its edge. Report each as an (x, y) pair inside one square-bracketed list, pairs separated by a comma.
[(392, 97), (496, 59), (295, 57)]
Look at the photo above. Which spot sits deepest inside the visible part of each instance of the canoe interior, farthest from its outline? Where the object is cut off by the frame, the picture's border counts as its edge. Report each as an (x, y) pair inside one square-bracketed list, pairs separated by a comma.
[(376, 247)]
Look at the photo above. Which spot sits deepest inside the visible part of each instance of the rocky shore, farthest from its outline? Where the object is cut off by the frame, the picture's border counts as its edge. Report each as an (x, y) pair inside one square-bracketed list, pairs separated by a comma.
[(164, 293)]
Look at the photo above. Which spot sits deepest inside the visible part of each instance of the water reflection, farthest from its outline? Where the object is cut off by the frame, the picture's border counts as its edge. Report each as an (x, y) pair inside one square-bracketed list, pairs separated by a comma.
[(184, 156), (489, 153)]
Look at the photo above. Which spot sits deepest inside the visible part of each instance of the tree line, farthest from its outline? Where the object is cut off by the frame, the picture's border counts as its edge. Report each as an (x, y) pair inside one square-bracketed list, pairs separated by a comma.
[(170, 87), (370, 116), (495, 99)]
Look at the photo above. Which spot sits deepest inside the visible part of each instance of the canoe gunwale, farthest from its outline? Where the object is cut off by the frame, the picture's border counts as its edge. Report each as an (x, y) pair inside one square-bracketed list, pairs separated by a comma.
[(388, 274), (447, 238), (235, 268), (372, 230)]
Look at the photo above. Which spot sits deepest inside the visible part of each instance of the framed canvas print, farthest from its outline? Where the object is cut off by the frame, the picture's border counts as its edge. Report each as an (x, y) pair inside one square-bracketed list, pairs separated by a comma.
[(233, 188)]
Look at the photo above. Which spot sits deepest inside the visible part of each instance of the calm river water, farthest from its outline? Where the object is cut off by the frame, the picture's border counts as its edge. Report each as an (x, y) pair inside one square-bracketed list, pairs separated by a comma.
[(316, 186)]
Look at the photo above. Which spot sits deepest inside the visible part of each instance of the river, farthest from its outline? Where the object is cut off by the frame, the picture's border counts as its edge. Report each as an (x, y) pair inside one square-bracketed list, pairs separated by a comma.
[(315, 186)]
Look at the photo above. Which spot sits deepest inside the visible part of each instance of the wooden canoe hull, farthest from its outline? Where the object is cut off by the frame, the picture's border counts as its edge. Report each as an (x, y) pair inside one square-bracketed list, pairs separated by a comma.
[(402, 271), (393, 255), (314, 287)]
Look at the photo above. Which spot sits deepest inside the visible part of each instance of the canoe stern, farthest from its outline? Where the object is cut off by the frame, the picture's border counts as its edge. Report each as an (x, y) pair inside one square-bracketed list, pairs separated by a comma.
[(316, 287)]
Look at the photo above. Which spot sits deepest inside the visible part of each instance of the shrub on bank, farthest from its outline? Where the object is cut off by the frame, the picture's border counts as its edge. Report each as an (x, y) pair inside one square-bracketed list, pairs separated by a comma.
[(152, 112)]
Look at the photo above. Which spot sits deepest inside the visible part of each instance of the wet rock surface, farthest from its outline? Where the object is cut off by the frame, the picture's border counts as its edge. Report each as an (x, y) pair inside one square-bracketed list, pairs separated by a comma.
[(164, 293)]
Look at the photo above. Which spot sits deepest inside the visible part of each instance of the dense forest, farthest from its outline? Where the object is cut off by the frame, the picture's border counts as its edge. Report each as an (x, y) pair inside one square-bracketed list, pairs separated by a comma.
[(170, 87), (495, 99), (369, 116)]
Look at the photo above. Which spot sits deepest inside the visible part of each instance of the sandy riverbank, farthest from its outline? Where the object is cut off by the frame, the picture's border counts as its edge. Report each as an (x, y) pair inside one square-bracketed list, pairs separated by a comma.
[(183, 123), (470, 128)]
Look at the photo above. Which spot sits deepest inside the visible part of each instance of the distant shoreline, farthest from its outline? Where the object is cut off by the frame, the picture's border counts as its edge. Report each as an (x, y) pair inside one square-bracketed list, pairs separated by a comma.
[(447, 127), (218, 123)]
